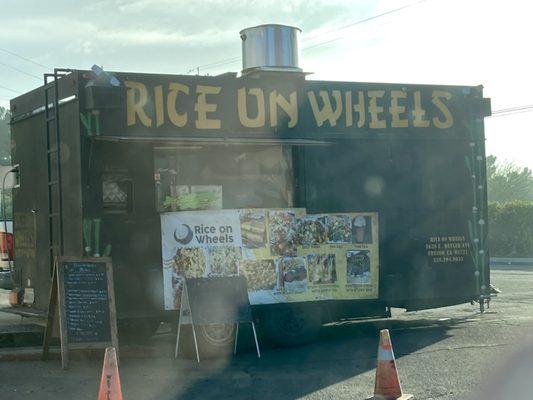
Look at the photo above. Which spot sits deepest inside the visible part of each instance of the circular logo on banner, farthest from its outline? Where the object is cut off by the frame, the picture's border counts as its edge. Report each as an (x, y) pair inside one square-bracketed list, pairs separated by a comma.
[(183, 234)]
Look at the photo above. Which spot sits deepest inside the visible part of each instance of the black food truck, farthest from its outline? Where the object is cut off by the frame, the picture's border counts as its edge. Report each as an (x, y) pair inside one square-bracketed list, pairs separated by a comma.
[(334, 199)]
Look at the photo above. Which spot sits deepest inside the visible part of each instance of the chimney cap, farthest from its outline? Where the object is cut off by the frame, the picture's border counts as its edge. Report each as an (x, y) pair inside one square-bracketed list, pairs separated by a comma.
[(270, 47)]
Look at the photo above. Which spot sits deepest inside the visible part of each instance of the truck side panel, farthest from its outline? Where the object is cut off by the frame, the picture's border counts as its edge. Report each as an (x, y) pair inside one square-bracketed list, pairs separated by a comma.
[(424, 198), (30, 205)]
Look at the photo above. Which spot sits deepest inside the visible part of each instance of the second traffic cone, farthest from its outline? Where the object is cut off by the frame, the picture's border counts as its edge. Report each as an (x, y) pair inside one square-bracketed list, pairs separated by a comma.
[(387, 384), (110, 382)]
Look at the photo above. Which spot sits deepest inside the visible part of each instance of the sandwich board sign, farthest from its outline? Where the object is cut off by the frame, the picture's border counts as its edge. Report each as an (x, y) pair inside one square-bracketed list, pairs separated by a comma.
[(215, 300), (82, 299)]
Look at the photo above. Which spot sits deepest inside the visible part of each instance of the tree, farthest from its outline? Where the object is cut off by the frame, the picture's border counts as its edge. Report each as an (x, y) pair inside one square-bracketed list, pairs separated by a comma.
[(5, 137), (5, 157), (508, 182)]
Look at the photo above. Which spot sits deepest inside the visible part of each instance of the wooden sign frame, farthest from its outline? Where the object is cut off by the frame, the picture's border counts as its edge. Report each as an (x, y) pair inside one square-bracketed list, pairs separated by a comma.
[(57, 310)]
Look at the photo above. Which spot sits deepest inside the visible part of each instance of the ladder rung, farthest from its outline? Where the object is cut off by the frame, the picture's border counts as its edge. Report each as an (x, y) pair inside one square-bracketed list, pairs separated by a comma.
[(54, 150), (54, 214), (50, 119), (52, 183)]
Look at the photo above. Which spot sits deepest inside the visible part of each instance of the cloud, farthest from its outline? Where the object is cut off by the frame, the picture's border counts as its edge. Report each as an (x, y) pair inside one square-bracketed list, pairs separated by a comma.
[(173, 32), (183, 17), (443, 42)]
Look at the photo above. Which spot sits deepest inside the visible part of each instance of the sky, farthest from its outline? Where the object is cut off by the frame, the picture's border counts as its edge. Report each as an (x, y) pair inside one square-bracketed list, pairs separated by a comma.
[(462, 42)]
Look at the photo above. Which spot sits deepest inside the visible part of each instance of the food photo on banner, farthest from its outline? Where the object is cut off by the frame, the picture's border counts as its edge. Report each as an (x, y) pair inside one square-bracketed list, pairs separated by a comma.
[(198, 244), (322, 268), (339, 228), (253, 228), (282, 232), (285, 255), (358, 267), (362, 229)]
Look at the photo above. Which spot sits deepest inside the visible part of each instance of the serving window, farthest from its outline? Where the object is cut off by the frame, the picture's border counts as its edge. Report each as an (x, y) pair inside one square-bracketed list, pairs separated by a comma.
[(223, 177)]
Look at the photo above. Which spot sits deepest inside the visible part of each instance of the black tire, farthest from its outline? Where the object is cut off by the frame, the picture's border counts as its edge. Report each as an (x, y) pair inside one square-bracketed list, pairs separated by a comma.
[(214, 341), (136, 330), (291, 325)]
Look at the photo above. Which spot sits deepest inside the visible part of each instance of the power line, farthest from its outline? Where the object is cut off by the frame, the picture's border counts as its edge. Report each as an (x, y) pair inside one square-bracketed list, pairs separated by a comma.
[(24, 58), (11, 90), (511, 109), (234, 59), (362, 21), (216, 63), (496, 115), (20, 70)]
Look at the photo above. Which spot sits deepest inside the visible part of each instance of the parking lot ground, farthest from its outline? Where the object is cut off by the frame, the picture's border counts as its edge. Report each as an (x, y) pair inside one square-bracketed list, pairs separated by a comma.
[(446, 353)]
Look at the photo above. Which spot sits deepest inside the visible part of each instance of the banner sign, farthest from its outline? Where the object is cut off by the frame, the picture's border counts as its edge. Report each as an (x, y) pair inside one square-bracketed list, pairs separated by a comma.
[(283, 106), (285, 255), (202, 229)]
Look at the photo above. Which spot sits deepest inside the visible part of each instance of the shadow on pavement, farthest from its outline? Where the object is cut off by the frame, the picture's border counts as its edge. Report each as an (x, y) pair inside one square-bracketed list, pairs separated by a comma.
[(344, 350)]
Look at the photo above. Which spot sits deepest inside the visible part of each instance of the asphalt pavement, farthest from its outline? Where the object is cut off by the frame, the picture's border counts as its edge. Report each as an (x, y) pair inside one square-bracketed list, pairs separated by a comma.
[(446, 353)]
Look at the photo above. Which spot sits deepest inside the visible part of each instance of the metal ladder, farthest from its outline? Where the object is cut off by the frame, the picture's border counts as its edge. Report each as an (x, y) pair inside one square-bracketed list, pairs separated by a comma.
[(53, 156)]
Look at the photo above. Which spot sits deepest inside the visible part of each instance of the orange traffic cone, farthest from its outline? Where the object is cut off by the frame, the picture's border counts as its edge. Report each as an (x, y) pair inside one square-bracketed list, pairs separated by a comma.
[(110, 381), (387, 381)]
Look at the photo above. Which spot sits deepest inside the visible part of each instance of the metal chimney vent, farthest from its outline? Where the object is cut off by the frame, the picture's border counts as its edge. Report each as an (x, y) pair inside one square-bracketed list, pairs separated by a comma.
[(270, 48)]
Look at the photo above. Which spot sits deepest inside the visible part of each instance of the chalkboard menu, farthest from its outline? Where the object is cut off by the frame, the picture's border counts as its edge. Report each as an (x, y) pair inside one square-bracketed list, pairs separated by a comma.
[(82, 292), (86, 302)]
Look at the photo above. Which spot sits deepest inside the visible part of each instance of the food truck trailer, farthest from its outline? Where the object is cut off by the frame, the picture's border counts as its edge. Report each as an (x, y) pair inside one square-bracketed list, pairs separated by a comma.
[(334, 199)]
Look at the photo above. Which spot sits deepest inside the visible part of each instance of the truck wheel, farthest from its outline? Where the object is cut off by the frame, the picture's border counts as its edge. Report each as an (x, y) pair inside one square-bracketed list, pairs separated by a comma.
[(291, 325), (214, 341), (136, 330)]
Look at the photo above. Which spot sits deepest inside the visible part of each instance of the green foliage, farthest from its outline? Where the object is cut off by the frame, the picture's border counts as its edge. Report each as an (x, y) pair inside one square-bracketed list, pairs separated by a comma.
[(511, 229), (5, 137), (191, 201), (9, 205), (5, 156), (510, 192), (508, 182)]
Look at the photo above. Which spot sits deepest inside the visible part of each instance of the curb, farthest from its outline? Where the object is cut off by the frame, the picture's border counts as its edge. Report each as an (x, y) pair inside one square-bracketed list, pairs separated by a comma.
[(26, 354), (511, 261), (35, 353)]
